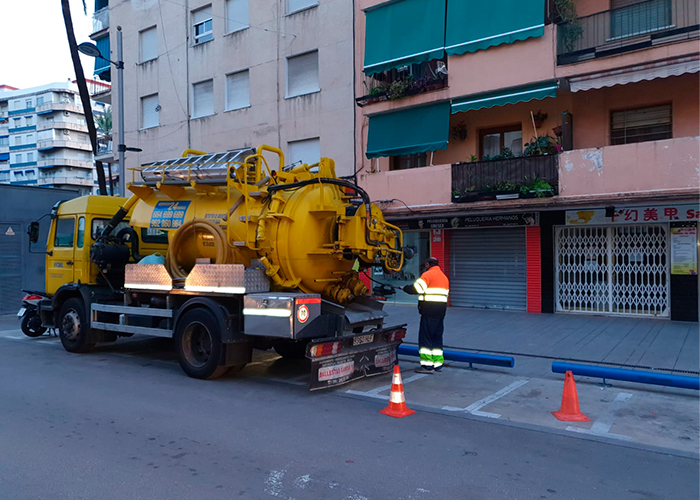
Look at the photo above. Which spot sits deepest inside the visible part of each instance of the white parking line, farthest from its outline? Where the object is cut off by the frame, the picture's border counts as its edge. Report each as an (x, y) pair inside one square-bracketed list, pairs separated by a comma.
[(374, 393), (602, 426), (475, 407)]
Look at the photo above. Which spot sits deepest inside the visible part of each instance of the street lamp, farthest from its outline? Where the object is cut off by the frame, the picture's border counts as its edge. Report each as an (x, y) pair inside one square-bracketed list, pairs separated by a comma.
[(90, 49)]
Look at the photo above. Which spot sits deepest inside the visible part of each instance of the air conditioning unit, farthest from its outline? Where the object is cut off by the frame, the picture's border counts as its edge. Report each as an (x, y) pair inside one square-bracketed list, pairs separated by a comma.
[(441, 69), (66, 113), (66, 132)]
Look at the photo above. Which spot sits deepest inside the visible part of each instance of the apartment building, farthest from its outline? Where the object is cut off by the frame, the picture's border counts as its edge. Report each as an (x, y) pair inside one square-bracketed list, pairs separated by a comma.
[(545, 151), (215, 75), (44, 139)]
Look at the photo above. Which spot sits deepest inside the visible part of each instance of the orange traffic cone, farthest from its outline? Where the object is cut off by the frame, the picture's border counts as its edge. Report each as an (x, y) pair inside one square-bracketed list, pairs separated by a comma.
[(397, 402), (570, 411)]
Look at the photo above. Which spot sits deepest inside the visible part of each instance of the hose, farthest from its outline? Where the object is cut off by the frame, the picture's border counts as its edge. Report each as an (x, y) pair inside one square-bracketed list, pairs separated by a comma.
[(134, 240), (118, 217), (224, 254)]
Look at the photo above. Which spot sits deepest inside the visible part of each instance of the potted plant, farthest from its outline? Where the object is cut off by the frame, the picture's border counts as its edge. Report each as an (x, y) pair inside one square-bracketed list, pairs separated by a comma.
[(542, 145), (536, 187), (503, 190), (465, 195), (539, 118), (398, 88)]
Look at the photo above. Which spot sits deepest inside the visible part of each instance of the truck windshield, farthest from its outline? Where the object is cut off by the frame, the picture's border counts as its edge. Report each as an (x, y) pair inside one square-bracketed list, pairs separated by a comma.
[(98, 226)]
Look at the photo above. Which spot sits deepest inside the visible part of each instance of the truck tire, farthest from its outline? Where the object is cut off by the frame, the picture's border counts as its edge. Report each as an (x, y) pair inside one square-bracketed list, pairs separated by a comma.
[(31, 325), (291, 350), (73, 327), (198, 344)]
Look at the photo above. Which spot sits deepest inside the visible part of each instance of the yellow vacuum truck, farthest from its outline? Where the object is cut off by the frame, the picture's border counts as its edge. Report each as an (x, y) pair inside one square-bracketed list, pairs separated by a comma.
[(224, 253)]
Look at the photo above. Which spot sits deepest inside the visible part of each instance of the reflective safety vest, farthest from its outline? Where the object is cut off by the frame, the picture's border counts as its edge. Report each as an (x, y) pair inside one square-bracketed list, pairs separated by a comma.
[(433, 288)]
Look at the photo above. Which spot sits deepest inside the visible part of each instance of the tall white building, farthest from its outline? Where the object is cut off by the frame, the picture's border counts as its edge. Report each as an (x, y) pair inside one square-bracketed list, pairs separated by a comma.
[(44, 139)]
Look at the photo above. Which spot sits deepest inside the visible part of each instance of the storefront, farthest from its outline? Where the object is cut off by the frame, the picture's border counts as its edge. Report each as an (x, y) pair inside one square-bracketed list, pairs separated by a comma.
[(634, 261)]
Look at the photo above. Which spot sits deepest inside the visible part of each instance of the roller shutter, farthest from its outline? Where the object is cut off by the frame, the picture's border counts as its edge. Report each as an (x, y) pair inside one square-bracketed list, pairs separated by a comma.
[(10, 267), (488, 268)]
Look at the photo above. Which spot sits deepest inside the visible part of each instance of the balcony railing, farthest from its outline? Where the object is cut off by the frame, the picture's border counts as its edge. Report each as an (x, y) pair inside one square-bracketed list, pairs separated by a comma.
[(407, 81), (637, 26), (58, 106), (60, 124), (60, 161), (100, 20), (519, 177)]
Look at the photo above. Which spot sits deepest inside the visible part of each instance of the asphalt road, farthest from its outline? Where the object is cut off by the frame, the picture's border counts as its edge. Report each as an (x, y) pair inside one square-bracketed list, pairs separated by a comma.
[(125, 426)]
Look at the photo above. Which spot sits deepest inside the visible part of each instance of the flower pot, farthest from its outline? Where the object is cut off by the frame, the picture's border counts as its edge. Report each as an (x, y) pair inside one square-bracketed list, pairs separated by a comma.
[(557, 130), (538, 123)]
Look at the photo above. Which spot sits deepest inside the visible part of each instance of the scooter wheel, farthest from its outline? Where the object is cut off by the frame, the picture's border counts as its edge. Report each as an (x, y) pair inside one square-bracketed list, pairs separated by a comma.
[(31, 325)]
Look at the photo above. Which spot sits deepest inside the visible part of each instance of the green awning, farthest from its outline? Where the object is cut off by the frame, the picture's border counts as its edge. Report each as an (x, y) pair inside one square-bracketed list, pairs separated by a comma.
[(510, 96), (473, 25), (404, 32), (409, 131)]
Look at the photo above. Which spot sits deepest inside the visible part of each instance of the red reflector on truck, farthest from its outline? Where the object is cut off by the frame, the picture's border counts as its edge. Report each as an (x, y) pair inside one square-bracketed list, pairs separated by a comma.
[(395, 335), (308, 301), (326, 349), (32, 297)]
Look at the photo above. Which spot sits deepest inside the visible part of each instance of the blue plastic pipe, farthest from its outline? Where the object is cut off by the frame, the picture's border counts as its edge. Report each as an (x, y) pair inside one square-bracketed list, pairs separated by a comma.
[(464, 357), (642, 377)]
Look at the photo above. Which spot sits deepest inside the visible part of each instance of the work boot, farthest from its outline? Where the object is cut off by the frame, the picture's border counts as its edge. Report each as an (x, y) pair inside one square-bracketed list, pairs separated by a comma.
[(425, 369), (438, 369)]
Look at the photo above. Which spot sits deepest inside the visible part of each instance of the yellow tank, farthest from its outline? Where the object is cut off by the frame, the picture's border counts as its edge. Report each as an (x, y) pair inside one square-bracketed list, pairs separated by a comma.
[(306, 226)]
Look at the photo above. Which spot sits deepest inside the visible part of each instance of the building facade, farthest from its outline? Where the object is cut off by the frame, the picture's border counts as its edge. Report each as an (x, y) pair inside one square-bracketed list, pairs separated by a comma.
[(546, 151), (225, 74), (44, 139)]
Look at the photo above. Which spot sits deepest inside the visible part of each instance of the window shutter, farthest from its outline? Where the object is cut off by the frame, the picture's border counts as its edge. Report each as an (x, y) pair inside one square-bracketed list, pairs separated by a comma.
[(149, 44), (307, 151), (645, 117), (238, 90), (203, 98), (302, 74), (149, 112), (201, 15), (295, 5), (236, 15)]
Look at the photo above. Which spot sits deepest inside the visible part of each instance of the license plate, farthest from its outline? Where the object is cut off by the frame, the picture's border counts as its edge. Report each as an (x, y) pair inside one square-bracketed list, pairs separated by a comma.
[(363, 339), (21, 312)]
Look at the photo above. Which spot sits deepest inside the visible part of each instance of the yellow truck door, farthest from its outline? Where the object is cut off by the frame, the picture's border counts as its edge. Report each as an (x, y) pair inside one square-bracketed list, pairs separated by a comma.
[(60, 262)]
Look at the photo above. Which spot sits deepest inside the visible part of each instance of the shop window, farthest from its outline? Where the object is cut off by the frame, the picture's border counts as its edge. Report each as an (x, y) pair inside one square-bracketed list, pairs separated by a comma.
[(502, 142), (65, 229), (404, 162), (641, 124)]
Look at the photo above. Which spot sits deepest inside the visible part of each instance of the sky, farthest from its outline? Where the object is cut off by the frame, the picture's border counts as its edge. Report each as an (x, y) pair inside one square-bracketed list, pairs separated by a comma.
[(33, 44)]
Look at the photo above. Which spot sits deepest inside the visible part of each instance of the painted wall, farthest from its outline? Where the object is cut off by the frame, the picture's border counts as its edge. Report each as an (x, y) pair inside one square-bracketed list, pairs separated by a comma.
[(262, 48), (416, 186), (645, 166)]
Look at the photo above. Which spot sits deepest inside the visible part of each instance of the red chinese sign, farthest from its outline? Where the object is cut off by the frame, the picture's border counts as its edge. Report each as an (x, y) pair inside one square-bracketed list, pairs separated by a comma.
[(632, 215)]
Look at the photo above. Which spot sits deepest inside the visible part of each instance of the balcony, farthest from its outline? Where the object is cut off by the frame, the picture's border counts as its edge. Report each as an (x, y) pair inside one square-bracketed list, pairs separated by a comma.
[(60, 143), (637, 26), (59, 124), (58, 106), (667, 165), (60, 161), (510, 178), (63, 180), (407, 81), (100, 21), (105, 151)]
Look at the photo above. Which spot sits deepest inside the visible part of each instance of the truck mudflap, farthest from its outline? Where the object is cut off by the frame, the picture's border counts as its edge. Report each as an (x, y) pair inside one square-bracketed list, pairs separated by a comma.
[(339, 360)]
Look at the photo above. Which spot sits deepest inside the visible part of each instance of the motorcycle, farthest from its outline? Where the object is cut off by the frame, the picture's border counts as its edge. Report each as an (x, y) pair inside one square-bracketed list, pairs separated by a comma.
[(29, 314)]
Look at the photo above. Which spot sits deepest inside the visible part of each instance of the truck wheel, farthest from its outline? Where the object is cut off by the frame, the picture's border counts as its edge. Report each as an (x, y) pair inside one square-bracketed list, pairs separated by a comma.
[(291, 350), (73, 327), (198, 344), (31, 325)]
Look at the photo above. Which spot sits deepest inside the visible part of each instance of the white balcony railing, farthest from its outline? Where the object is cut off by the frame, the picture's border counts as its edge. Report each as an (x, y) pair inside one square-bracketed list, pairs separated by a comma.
[(59, 124), (59, 106), (60, 143), (100, 20), (60, 161)]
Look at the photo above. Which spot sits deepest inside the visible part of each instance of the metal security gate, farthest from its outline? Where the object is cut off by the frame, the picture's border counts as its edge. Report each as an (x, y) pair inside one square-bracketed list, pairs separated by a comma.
[(489, 268), (10, 267), (615, 269)]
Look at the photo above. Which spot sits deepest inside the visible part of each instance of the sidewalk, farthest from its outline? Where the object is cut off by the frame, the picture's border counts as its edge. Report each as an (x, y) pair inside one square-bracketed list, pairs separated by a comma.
[(641, 343)]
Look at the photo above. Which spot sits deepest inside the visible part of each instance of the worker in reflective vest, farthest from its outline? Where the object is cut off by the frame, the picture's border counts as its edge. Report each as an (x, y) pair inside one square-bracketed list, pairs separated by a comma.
[(433, 289)]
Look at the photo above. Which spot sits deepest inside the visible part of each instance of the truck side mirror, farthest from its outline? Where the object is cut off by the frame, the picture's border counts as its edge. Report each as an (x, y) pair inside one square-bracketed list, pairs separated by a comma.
[(33, 232)]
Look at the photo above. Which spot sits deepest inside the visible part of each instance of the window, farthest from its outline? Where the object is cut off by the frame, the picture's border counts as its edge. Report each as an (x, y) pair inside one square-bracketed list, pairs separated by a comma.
[(408, 161), (18, 140), (149, 44), (237, 90), (203, 98), (30, 138), (4, 176), (297, 5), (641, 124), (28, 121), (635, 17), (28, 102), (40, 101), (19, 175), (149, 111), (302, 74), (98, 225), (64, 232), (30, 157), (18, 158), (503, 141), (31, 174), (17, 122), (307, 151), (4, 141), (81, 232), (202, 25), (152, 235), (236, 15)]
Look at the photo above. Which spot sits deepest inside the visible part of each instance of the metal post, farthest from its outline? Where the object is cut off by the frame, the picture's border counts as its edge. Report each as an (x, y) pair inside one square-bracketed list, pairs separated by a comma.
[(120, 85)]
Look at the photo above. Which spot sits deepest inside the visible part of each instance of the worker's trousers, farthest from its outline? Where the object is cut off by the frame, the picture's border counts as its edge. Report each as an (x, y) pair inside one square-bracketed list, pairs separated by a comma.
[(430, 342)]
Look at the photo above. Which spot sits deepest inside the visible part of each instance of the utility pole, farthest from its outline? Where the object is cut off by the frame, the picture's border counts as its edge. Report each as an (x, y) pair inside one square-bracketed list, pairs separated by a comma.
[(120, 131)]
